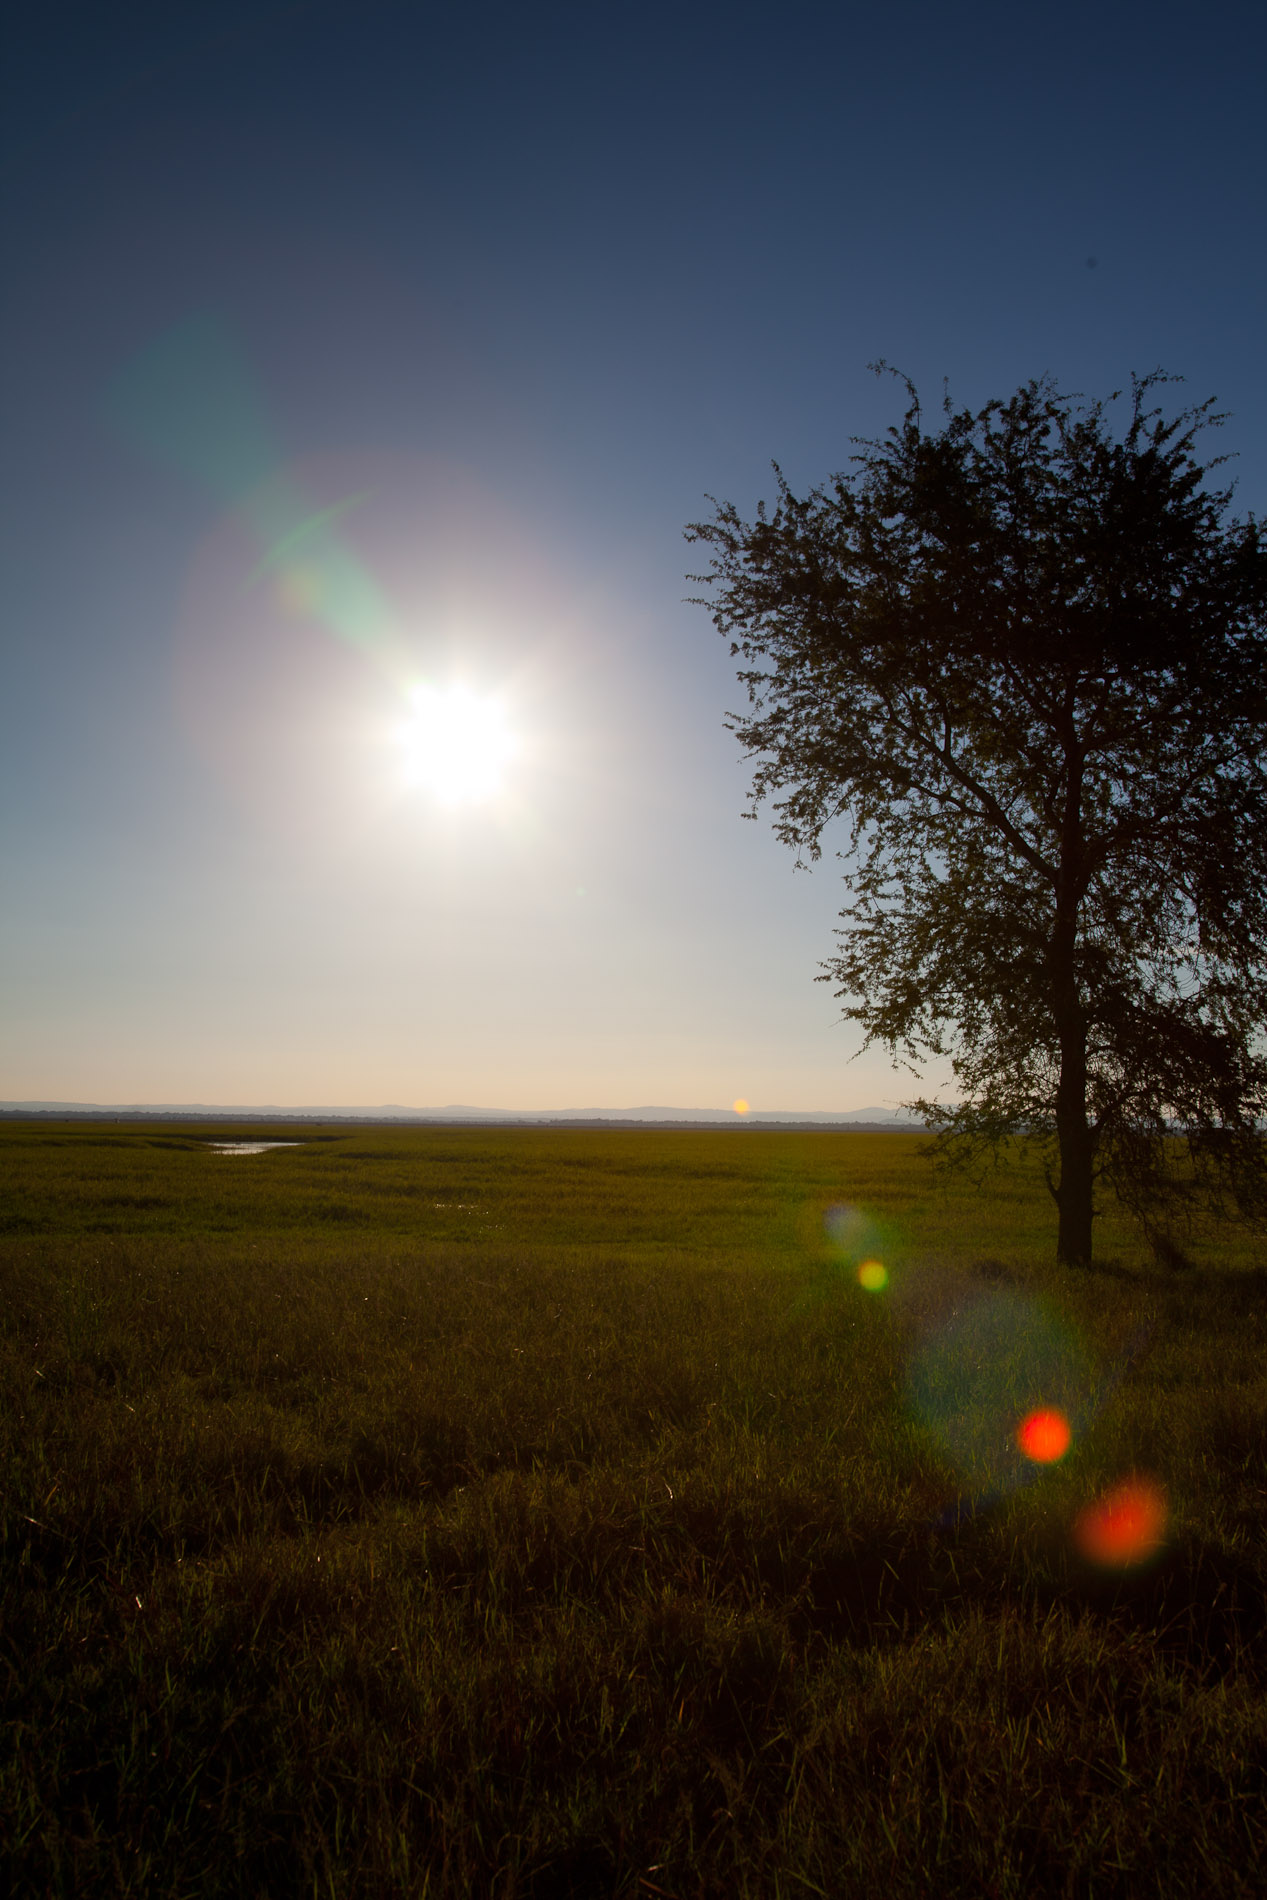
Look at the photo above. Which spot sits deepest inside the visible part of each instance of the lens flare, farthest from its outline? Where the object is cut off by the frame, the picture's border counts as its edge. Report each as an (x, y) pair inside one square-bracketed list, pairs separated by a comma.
[(1044, 1435), (849, 1230), (307, 611), (1125, 1527), (998, 1359), (741, 1106), (299, 590), (873, 1276), (191, 401), (283, 551)]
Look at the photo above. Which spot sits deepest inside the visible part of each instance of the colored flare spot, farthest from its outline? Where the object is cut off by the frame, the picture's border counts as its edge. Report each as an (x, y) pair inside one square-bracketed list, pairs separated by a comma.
[(996, 1363), (1124, 1527), (308, 530), (849, 1230), (299, 590), (1044, 1436), (873, 1276)]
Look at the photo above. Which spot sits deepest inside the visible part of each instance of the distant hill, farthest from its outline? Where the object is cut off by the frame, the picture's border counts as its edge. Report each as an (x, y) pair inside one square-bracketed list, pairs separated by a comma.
[(460, 1112)]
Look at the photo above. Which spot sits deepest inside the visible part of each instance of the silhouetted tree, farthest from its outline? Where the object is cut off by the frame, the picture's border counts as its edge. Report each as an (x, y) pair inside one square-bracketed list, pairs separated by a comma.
[(1024, 659)]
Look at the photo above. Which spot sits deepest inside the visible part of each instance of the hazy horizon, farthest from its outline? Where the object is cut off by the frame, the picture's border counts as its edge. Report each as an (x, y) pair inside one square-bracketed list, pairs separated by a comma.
[(458, 1111)]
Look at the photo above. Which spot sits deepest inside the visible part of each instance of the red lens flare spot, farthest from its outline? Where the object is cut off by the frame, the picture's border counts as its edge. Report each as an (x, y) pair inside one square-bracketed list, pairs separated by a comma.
[(1044, 1436), (1124, 1527)]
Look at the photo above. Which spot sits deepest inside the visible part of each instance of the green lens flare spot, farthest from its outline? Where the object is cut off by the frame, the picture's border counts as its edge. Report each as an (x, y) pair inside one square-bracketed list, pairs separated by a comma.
[(873, 1276), (289, 544)]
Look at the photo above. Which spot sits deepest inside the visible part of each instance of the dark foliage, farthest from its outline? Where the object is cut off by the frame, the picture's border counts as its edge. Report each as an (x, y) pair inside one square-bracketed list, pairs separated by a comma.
[(1024, 659)]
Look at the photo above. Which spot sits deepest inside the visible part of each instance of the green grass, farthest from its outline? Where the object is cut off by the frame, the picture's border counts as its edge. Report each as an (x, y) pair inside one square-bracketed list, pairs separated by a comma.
[(535, 1513)]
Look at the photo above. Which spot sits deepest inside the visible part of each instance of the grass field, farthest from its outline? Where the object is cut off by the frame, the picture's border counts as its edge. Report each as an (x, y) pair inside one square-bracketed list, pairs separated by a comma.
[(540, 1513)]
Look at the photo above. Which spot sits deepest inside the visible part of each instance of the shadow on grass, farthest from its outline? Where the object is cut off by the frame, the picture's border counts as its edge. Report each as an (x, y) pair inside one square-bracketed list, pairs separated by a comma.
[(1203, 1608)]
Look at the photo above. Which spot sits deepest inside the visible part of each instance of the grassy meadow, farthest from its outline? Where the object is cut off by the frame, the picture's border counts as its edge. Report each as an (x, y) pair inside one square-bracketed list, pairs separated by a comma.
[(538, 1513)]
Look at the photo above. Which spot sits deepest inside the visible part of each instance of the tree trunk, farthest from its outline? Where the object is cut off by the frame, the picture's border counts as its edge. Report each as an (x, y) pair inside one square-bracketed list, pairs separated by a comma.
[(1075, 1137), (1074, 1196)]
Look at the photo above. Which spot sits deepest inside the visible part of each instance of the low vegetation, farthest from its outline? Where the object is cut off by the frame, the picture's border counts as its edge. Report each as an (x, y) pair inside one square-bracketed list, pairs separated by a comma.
[(540, 1513)]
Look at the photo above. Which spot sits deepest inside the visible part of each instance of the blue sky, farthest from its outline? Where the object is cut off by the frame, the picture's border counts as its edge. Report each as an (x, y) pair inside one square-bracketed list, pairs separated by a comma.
[(521, 288)]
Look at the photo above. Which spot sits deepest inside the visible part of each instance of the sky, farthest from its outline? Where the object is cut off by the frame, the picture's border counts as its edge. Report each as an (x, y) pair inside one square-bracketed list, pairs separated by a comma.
[(362, 365)]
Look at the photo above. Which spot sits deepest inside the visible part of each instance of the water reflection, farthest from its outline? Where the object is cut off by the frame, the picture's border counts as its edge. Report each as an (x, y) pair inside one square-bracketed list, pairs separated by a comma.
[(248, 1147)]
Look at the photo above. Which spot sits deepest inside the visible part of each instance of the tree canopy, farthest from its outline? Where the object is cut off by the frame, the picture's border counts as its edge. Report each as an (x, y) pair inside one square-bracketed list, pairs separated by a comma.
[(1022, 657)]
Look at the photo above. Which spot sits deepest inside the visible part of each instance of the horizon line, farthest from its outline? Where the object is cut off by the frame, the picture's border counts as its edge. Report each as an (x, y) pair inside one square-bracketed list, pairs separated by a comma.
[(395, 1111)]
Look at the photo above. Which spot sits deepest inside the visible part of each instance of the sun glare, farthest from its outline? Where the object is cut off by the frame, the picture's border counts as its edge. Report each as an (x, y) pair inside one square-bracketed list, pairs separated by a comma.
[(456, 744)]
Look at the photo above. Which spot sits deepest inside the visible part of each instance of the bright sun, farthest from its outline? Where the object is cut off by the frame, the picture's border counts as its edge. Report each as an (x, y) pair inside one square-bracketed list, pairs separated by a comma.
[(456, 744)]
